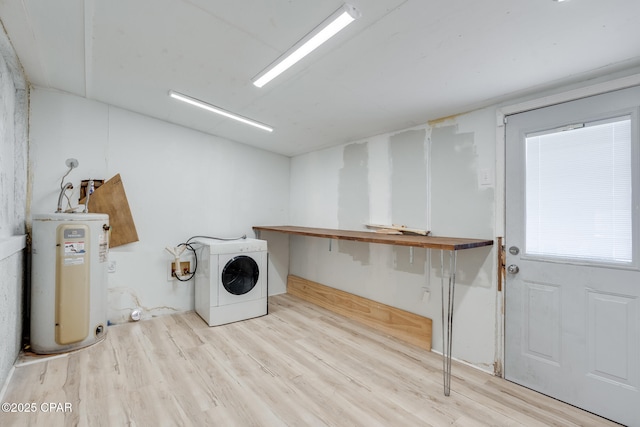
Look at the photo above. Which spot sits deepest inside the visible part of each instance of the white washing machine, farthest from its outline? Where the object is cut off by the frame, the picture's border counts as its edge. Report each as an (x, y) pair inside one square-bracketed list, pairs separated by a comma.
[(231, 280)]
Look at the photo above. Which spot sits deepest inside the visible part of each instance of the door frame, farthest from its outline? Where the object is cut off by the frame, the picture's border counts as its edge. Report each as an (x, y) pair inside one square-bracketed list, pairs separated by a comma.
[(500, 202)]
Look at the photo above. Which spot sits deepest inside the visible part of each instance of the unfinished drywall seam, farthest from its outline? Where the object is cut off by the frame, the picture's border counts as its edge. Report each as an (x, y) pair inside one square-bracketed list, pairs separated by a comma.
[(409, 194), (353, 198), (408, 178)]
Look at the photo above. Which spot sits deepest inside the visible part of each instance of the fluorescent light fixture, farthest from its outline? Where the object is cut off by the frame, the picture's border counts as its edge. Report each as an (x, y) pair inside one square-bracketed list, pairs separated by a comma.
[(218, 110), (323, 32)]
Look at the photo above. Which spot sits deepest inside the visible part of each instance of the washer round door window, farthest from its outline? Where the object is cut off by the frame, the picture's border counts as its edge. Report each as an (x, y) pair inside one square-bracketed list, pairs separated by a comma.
[(240, 275)]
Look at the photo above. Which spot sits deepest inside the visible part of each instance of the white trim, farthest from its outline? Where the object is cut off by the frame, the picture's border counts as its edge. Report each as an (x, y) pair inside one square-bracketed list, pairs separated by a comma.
[(463, 362), (501, 143), (24, 361), (5, 386), (499, 228), (11, 245), (572, 95)]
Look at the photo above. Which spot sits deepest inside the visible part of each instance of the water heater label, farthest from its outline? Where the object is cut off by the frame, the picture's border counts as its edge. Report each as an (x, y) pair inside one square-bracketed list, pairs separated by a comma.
[(74, 233), (103, 250), (74, 261), (73, 248)]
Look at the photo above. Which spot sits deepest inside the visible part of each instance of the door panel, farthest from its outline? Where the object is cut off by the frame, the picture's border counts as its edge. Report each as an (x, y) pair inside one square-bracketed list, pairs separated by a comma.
[(541, 320), (611, 353), (572, 311)]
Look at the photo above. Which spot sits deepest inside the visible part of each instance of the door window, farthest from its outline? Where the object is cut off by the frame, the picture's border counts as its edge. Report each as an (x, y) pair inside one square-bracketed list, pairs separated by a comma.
[(578, 192)]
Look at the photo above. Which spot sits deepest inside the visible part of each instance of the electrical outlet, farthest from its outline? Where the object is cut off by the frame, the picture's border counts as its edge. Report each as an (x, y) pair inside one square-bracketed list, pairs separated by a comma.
[(185, 267), (425, 296), (485, 178)]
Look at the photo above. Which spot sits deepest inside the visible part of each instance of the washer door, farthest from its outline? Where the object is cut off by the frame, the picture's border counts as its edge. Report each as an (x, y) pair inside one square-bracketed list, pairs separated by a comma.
[(240, 275)]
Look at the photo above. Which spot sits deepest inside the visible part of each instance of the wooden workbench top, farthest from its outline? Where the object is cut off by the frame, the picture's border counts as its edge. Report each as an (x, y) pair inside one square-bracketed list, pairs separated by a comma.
[(417, 241)]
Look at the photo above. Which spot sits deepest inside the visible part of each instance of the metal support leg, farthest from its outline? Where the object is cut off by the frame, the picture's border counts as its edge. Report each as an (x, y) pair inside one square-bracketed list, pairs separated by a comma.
[(447, 326)]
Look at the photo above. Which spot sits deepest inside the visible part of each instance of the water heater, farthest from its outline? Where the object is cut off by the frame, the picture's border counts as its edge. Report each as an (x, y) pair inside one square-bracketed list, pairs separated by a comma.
[(68, 281)]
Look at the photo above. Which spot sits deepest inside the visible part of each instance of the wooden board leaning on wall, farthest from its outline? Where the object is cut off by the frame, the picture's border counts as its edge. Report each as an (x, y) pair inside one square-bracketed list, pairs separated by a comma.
[(110, 198), (405, 326)]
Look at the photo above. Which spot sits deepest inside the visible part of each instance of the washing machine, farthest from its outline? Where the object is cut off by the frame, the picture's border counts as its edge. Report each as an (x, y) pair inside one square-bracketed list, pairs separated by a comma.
[(231, 280)]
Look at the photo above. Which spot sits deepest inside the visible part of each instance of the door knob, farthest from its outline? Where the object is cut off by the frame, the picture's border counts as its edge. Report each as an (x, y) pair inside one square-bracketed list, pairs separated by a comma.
[(513, 269)]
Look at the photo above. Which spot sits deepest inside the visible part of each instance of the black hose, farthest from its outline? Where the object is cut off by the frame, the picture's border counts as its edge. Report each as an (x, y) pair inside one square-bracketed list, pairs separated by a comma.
[(195, 255)]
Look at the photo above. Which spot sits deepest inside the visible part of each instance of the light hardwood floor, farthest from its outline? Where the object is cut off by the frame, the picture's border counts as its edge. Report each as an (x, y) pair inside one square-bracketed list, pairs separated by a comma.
[(301, 365)]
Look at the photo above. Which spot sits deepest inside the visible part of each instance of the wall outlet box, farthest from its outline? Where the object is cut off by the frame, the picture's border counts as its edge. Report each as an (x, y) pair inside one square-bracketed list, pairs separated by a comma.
[(485, 178), (185, 268)]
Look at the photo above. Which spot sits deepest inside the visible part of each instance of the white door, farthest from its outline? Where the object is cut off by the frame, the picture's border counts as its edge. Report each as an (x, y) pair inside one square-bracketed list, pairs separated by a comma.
[(572, 311)]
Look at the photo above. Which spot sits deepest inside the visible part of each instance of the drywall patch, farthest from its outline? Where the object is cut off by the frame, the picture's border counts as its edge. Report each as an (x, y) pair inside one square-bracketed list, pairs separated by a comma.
[(458, 206), (408, 178), (410, 260), (353, 198), (409, 193)]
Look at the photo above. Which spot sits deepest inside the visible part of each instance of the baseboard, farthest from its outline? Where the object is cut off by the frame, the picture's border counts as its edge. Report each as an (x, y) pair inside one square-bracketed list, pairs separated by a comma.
[(406, 326)]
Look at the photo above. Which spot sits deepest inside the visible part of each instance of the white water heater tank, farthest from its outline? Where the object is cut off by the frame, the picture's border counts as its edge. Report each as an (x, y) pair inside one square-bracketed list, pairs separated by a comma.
[(68, 281)]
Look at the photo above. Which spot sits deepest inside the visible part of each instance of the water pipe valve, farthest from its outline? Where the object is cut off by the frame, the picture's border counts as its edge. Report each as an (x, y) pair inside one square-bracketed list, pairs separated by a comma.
[(176, 252)]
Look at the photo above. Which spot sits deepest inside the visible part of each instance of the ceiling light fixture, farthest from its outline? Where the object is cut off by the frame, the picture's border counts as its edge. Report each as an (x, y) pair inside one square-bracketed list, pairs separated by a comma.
[(218, 110), (342, 17)]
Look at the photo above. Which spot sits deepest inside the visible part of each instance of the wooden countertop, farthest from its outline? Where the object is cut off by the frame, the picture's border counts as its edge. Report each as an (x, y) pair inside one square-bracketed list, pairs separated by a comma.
[(417, 241)]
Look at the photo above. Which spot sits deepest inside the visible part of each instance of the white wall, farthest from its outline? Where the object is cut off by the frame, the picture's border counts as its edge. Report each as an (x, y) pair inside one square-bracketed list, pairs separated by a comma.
[(463, 206), (425, 177), (13, 203), (179, 183), (343, 187)]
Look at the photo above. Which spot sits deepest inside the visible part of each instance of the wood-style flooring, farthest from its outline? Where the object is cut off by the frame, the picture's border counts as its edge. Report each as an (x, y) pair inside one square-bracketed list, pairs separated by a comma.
[(301, 365)]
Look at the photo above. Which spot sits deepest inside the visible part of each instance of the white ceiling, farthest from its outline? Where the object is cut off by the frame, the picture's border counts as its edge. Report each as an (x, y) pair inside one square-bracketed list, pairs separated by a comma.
[(403, 63)]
